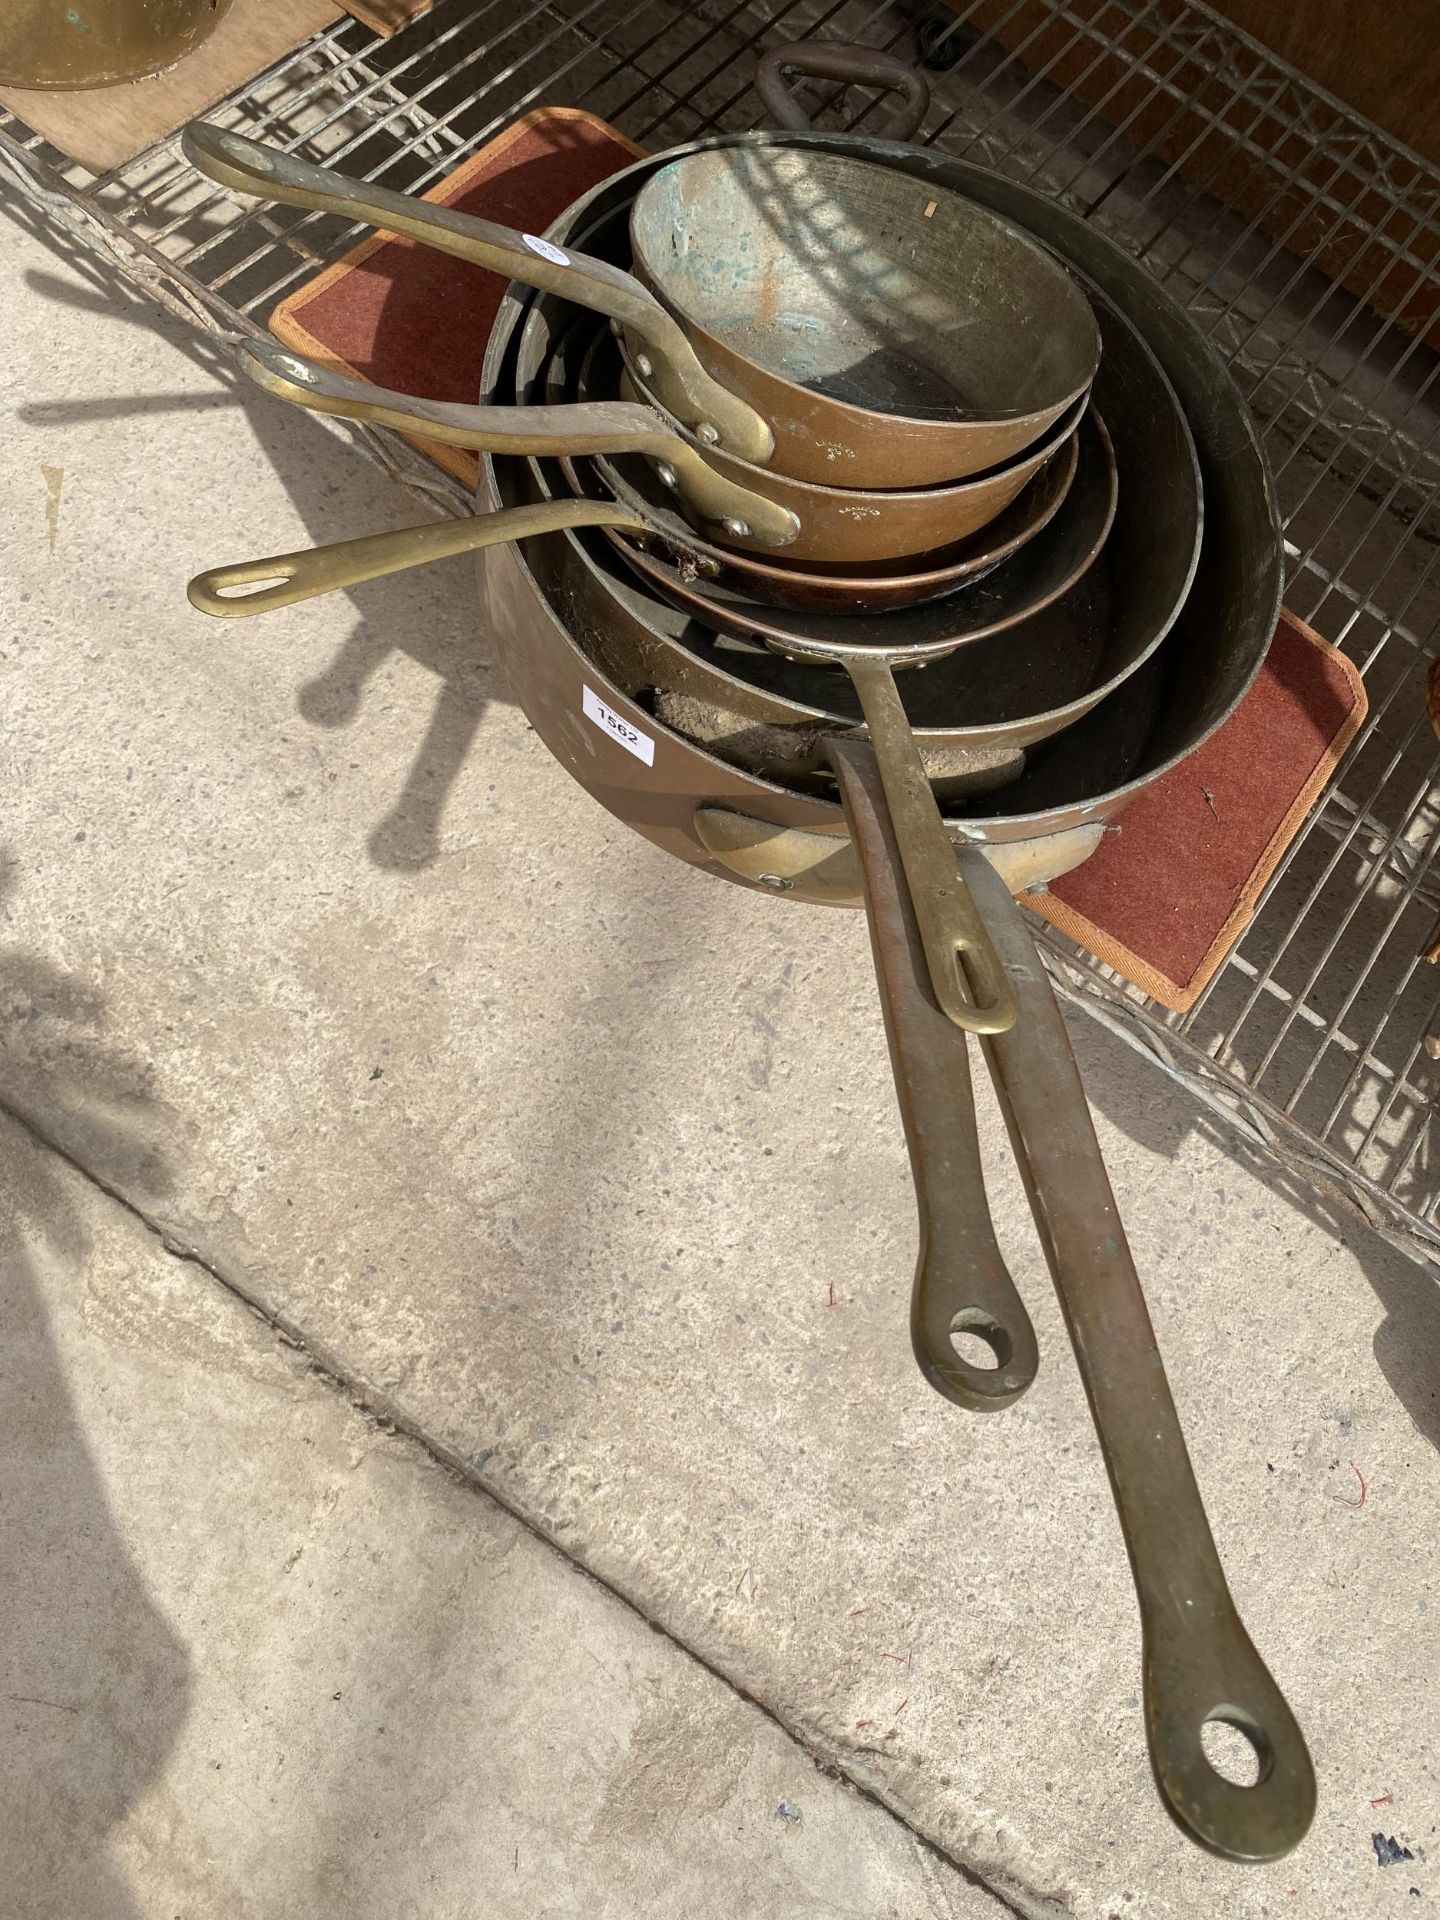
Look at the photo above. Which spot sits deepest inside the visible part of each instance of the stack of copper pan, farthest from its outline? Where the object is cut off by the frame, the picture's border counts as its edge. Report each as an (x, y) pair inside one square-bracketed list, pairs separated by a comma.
[(866, 528)]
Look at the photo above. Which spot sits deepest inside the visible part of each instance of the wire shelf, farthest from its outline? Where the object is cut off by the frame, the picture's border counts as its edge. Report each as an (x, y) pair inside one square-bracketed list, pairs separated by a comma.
[(1310, 1041)]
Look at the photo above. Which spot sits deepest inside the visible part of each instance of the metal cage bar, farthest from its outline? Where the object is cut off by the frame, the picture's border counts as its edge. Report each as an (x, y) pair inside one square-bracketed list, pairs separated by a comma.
[(1309, 1044)]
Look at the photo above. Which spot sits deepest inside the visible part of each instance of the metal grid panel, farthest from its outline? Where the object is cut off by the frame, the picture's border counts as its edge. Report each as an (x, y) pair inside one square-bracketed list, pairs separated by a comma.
[(1310, 1039)]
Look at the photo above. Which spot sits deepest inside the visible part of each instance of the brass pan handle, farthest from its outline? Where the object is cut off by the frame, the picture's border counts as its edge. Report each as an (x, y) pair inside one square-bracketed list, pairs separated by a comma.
[(311, 571), (1199, 1662), (683, 386), (972, 991), (961, 1282), (822, 60), (592, 426)]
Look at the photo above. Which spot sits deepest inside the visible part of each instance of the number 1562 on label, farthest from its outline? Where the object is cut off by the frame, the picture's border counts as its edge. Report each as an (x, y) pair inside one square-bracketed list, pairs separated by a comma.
[(619, 728)]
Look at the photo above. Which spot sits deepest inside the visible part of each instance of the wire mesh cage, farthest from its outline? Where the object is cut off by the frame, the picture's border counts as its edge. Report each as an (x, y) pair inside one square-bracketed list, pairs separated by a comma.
[(1305, 245)]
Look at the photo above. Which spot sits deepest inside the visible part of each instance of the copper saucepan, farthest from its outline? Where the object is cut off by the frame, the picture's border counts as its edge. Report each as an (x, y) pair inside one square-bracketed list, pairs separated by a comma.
[(1199, 1663), (935, 341), (738, 505)]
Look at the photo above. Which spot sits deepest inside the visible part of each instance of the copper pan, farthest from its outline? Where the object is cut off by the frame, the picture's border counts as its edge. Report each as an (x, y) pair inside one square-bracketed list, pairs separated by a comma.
[(1199, 1663), (860, 588), (892, 338), (903, 339)]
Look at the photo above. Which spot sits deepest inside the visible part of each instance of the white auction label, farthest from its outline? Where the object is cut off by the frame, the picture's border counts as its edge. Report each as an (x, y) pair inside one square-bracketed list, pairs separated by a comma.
[(619, 728), (545, 250)]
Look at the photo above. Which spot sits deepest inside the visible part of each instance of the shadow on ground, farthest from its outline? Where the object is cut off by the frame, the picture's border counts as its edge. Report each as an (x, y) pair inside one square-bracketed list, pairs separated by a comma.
[(1133, 1095), (407, 836), (94, 1686)]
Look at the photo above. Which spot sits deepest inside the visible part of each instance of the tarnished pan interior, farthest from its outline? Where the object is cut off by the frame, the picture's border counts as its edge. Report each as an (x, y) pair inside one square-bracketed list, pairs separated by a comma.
[(1031, 639), (892, 337), (1196, 678), (977, 710)]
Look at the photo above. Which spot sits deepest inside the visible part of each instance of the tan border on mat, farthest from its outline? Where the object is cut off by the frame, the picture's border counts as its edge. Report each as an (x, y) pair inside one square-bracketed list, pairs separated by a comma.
[(292, 331), (1159, 986)]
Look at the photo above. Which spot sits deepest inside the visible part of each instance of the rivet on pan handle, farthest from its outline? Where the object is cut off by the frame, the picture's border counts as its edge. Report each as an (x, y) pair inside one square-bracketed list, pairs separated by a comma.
[(247, 166), (975, 995), (595, 426), (1199, 1662), (962, 1285), (820, 60)]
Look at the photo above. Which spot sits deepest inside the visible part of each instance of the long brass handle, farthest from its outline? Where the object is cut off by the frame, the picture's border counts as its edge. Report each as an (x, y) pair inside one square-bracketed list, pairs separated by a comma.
[(311, 571), (976, 996), (962, 1284), (1200, 1664), (682, 384), (592, 426)]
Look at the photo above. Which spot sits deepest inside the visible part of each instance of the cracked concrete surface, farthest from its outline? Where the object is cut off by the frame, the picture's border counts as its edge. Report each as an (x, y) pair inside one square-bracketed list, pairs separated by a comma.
[(554, 1150), (262, 1656)]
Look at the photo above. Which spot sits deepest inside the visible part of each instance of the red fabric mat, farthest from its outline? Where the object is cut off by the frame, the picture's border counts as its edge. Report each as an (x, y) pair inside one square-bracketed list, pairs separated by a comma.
[(406, 316), (1166, 895)]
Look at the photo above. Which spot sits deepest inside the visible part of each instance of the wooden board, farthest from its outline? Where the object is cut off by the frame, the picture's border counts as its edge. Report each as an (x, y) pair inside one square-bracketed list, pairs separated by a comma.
[(1381, 57), (103, 127), (1185, 123), (387, 16)]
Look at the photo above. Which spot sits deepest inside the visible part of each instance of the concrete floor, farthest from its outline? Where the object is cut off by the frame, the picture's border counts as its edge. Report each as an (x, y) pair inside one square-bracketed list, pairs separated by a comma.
[(263, 1657), (319, 972)]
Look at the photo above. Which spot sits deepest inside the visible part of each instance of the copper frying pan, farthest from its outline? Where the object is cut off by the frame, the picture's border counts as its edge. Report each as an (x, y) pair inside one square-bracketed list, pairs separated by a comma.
[(1199, 1663), (733, 502), (938, 341)]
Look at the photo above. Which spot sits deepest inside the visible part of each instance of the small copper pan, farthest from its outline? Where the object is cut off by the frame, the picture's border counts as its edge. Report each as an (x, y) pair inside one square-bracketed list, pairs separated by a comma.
[(901, 336), (860, 588)]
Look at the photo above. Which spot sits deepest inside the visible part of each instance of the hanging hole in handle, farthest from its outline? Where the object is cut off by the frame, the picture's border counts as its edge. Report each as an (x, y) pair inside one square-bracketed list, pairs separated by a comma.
[(225, 591), (1236, 1748), (247, 589), (979, 1341)]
